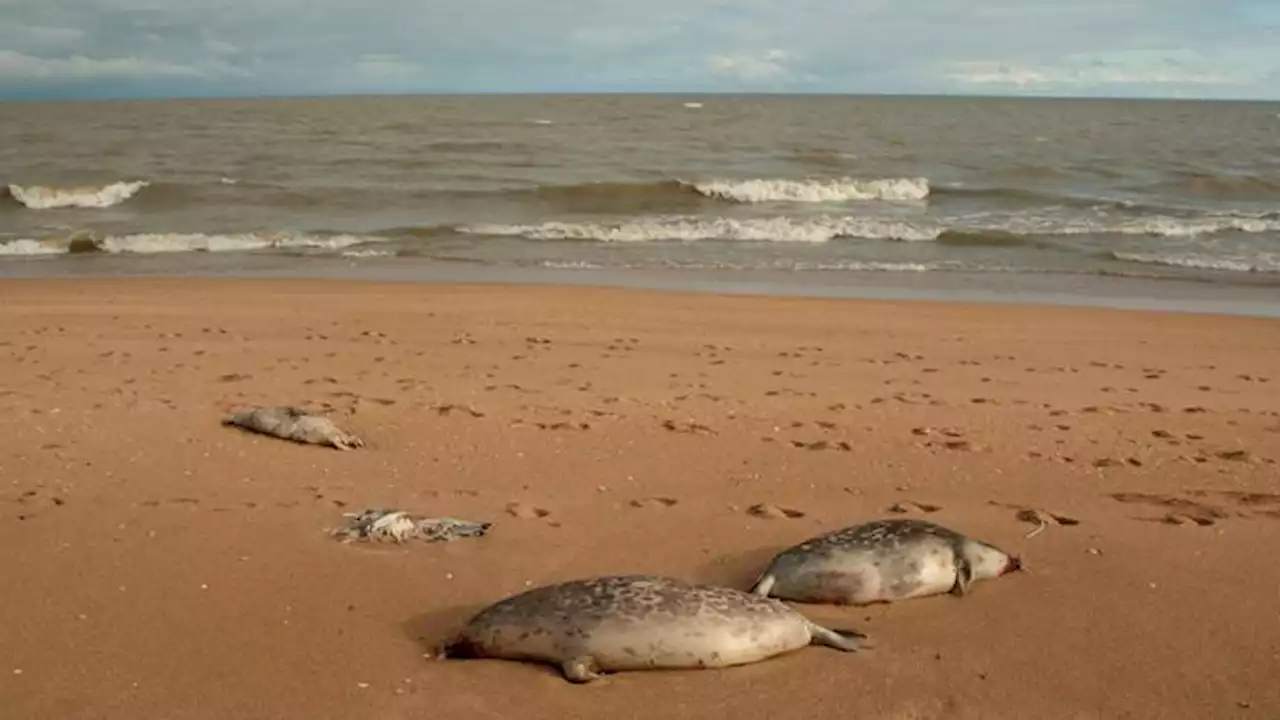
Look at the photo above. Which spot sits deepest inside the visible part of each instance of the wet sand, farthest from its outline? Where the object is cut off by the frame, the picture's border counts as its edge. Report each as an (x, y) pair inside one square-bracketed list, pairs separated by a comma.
[(159, 564)]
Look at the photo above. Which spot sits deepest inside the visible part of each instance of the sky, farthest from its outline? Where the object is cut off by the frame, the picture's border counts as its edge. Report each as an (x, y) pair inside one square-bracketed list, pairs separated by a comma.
[(160, 48)]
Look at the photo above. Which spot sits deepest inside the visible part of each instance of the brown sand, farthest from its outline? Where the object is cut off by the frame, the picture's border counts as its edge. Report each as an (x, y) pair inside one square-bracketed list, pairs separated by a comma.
[(159, 565)]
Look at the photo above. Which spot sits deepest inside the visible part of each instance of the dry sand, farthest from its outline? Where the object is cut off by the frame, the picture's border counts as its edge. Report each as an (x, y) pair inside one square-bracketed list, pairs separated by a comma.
[(159, 565)]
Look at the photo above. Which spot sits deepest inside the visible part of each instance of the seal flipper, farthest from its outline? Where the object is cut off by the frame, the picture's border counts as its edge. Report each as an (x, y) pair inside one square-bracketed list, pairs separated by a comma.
[(846, 640), (582, 669), (964, 576), (764, 584), (458, 647)]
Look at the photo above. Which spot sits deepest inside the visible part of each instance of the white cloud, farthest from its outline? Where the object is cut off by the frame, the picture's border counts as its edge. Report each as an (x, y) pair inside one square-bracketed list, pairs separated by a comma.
[(50, 35), (771, 65), (1130, 68), (78, 67), (383, 66), (1225, 46), (220, 48)]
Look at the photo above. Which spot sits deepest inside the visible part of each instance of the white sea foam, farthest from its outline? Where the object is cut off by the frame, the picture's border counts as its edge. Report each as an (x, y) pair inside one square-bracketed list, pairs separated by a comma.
[(38, 197), (777, 229), (1265, 263), (815, 190), (571, 265), (874, 266), (200, 242), (29, 247), (367, 253), (150, 243), (1154, 225)]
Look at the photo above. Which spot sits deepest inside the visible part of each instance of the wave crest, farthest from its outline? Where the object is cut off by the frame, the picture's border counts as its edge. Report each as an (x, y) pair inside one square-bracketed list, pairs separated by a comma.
[(153, 243), (815, 190), (39, 197), (1197, 261), (777, 229)]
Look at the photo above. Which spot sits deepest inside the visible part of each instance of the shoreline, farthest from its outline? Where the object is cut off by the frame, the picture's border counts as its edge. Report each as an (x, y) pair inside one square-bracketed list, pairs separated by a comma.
[(164, 565), (1196, 296)]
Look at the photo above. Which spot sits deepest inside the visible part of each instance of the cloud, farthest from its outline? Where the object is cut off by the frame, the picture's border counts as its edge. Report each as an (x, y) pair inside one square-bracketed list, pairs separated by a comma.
[(1091, 72), (771, 65), (78, 67), (383, 66), (42, 35), (1141, 47)]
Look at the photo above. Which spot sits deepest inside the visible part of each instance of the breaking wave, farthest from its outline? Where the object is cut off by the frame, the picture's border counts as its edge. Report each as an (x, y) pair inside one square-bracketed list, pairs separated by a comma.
[(38, 197), (1266, 263), (681, 195), (1162, 226), (776, 229), (985, 231), (152, 243), (815, 190)]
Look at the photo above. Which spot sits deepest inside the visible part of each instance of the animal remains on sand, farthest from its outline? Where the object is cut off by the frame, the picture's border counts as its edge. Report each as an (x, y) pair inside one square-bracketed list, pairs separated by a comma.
[(390, 525), (639, 622), (293, 423), (882, 561)]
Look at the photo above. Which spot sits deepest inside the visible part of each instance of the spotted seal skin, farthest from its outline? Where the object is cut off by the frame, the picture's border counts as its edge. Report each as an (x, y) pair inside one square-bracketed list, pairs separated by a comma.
[(882, 561), (296, 424), (639, 622)]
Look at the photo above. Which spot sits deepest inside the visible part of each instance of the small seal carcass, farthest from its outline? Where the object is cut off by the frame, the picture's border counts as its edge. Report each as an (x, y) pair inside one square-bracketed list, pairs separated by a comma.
[(296, 424), (882, 561), (638, 622), (399, 526)]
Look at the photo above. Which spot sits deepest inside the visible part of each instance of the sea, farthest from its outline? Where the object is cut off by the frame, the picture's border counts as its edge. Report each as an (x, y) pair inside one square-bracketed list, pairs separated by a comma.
[(1172, 202)]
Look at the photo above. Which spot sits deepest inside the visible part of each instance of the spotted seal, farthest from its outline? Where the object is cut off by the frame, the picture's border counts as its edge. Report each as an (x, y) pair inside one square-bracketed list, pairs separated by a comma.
[(882, 561), (639, 622), (296, 424)]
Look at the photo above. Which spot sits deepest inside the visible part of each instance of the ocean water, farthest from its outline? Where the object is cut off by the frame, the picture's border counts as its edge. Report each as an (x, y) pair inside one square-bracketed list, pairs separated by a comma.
[(816, 189)]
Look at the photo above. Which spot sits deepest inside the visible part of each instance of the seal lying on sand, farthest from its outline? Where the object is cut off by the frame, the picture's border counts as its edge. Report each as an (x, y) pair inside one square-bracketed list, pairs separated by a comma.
[(882, 561), (379, 524), (296, 424), (638, 622)]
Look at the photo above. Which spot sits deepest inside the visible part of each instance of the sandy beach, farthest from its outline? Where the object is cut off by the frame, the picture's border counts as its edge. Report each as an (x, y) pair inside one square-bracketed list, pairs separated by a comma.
[(160, 565)]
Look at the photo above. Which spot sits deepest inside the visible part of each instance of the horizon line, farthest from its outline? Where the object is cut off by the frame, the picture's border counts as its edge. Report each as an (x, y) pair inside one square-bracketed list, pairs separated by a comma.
[(39, 97)]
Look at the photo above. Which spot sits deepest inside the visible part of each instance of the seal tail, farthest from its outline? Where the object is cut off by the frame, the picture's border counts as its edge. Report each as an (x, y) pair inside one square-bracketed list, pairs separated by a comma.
[(846, 640), (764, 584), (457, 648)]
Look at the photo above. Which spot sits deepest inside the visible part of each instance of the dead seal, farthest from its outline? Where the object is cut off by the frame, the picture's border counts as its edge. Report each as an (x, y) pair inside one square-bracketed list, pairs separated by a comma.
[(296, 424), (639, 622), (882, 561)]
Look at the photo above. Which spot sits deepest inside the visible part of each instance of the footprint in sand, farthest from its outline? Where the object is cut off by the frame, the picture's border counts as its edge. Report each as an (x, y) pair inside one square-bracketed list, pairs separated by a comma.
[(659, 502), (907, 506), (449, 408), (1180, 511), (525, 511), (688, 427), (562, 426), (1259, 504), (839, 445), (774, 512), (1102, 463), (1177, 518)]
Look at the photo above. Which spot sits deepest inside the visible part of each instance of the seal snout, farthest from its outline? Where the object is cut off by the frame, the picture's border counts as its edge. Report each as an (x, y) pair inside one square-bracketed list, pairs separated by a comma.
[(1014, 564)]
